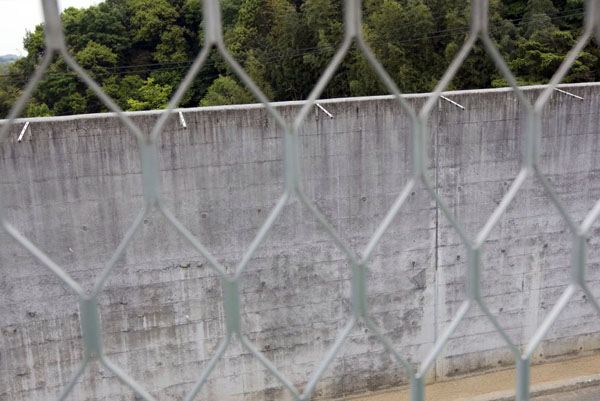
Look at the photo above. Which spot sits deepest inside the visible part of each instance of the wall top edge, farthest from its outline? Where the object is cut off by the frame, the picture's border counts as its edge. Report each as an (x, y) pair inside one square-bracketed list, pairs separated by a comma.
[(292, 103)]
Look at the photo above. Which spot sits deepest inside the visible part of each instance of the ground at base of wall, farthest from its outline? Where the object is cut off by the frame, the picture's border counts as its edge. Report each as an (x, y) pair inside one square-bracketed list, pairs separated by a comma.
[(574, 380), (582, 394)]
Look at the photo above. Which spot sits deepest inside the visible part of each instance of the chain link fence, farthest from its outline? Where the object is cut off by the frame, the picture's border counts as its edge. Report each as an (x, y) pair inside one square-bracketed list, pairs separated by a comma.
[(213, 33)]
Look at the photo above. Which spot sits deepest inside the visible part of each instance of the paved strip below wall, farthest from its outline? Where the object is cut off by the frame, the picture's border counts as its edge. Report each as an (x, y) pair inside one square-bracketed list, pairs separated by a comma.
[(546, 381), (582, 394)]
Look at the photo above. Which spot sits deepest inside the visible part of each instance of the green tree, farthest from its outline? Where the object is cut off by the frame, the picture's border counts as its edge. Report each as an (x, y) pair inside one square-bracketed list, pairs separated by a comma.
[(149, 18), (324, 32), (395, 31), (61, 90), (150, 96), (121, 89), (96, 58), (173, 45), (103, 24), (225, 90), (8, 96), (140, 50), (38, 110)]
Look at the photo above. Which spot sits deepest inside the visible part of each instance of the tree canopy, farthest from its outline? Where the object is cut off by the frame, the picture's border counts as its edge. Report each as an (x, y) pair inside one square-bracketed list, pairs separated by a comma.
[(140, 50)]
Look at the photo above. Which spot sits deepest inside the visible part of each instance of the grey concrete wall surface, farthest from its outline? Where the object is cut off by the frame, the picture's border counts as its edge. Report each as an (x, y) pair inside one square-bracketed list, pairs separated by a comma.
[(73, 187)]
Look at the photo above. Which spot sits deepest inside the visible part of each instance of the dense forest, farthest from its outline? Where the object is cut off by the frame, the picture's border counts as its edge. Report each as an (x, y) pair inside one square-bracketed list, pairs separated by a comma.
[(139, 50)]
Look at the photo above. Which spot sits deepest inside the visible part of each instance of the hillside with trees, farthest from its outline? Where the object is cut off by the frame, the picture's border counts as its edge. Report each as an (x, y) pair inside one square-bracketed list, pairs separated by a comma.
[(8, 58), (139, 50)]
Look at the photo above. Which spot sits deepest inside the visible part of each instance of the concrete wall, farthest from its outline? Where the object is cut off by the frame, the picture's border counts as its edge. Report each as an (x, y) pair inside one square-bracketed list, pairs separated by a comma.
[(73, 187)]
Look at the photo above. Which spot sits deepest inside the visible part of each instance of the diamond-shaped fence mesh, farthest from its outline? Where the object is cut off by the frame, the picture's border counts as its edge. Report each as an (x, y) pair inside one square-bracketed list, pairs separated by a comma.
[(213, 34)]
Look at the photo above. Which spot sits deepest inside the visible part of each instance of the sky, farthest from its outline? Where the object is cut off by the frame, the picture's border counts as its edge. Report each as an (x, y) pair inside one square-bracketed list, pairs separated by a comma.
[(19, 16)]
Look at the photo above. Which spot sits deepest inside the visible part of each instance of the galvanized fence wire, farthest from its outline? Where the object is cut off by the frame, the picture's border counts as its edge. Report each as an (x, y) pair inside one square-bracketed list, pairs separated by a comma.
[(152, 198)]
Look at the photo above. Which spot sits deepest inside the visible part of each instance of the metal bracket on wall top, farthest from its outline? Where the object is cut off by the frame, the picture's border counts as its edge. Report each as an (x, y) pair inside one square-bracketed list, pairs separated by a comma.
[(182, 120), (324, 110), (453, 102), (23, 131), (568, 93)]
